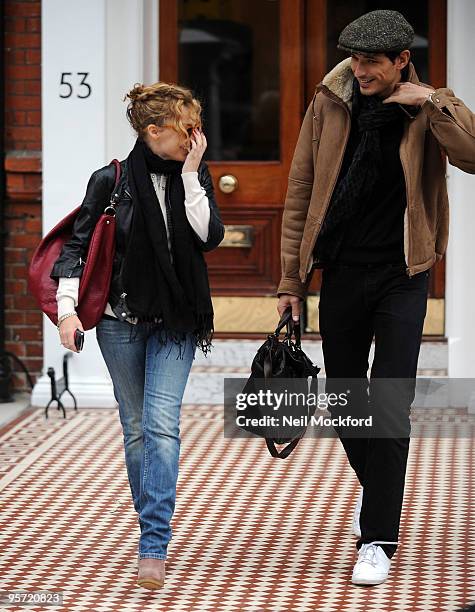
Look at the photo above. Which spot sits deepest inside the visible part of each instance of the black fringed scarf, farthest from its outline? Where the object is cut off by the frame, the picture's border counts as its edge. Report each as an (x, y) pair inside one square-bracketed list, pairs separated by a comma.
[(356, 186), (174, 291)]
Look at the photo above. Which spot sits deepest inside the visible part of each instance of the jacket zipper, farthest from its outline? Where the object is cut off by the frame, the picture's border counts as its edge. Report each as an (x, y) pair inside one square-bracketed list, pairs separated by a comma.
[(315, 236), (80, 262), (406, 217)]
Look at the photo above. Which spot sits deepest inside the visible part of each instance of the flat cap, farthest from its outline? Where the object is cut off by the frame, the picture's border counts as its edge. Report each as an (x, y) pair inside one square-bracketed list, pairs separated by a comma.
[(377, 32)]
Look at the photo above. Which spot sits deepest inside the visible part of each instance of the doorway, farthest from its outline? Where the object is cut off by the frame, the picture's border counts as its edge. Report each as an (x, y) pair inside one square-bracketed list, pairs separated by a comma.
[(254, 65)]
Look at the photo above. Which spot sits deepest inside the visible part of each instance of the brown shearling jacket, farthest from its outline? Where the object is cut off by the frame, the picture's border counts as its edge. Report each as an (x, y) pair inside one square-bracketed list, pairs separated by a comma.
[(442, 127)]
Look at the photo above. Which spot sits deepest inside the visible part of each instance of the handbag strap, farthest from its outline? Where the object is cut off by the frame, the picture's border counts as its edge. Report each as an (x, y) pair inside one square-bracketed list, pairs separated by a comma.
[(285, 452), (114, 197), (267, 365), (118, 172), (293, 328), (284, 320)]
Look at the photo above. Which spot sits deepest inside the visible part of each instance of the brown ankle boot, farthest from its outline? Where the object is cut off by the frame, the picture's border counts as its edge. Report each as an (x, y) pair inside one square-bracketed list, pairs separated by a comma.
[(151, 573)]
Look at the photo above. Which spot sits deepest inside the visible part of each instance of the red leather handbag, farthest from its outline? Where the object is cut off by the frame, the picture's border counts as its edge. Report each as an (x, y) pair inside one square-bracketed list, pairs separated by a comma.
[(96, 277)]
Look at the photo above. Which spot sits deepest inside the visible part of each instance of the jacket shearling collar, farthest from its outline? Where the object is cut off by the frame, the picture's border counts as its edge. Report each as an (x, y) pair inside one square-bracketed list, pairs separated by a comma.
[(339, 81)]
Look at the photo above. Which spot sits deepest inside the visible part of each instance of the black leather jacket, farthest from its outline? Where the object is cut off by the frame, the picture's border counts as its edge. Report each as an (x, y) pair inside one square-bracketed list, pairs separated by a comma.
[(70, 262)]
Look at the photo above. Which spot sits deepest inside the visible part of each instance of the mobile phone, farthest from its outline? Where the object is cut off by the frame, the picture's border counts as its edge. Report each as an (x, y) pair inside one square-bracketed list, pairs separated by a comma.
[(78, 339)]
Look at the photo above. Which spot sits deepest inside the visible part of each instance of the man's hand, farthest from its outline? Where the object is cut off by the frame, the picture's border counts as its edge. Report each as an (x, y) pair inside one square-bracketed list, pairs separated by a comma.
[(409, 94), (285, 301)]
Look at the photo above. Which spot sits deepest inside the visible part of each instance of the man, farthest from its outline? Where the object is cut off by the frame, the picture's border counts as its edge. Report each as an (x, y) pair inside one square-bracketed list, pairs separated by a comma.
[(367, 202)]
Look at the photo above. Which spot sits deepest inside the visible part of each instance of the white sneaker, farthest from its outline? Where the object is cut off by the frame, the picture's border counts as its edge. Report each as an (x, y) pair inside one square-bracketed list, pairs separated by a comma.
[(356, 516), (373, 565)]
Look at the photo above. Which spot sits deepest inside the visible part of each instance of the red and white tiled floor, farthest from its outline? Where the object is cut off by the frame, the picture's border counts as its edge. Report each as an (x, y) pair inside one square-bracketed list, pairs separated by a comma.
[(251, 533)]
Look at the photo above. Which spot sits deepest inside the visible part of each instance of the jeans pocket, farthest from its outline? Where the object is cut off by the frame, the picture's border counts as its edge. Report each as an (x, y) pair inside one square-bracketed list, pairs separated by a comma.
[(113, 330)]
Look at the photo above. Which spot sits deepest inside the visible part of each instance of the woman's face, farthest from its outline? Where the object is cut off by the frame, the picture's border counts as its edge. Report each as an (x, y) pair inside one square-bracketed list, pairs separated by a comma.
[(169, 143)]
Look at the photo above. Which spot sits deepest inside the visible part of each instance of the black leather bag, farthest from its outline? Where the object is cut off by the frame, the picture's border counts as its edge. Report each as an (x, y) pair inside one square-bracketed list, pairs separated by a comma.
[(282, 359)]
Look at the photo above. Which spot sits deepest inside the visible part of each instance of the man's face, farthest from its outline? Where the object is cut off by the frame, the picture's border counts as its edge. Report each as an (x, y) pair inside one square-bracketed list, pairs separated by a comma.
[(376, 73)]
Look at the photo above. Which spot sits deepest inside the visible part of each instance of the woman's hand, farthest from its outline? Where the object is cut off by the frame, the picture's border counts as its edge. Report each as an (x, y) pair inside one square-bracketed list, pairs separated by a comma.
[(66, 332), (198, 146)]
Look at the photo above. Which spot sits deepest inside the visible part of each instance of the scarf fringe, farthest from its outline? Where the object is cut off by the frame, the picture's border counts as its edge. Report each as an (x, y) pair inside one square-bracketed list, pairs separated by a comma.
[(201, 338)]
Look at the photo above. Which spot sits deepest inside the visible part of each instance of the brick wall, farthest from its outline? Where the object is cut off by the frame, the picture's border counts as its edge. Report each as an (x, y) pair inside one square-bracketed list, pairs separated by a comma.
[(24, 335)]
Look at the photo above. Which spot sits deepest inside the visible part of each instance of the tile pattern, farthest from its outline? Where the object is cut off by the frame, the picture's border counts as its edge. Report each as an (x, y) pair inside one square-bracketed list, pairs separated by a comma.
[(199, 369), (251, 533), (245, 370)]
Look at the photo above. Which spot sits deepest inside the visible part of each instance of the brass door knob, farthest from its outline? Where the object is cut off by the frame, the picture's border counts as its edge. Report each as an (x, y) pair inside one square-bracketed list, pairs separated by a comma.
[(228, 183)]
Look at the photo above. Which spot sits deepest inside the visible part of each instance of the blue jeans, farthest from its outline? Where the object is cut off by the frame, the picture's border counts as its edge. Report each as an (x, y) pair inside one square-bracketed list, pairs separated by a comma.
[(149, 381)]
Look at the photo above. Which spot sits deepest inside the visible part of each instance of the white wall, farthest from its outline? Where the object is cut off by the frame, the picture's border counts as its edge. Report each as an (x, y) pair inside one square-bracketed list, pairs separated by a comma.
[(460, 271), (116, 43), (131, 57)]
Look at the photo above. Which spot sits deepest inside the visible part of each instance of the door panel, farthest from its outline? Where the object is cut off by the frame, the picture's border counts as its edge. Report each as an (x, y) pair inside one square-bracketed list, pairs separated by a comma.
[(254, 64), (244, 61), (232, 63), (252, 267)]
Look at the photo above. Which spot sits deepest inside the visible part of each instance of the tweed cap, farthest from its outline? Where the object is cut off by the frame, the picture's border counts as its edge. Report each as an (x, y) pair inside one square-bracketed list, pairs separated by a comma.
[(377, 32)]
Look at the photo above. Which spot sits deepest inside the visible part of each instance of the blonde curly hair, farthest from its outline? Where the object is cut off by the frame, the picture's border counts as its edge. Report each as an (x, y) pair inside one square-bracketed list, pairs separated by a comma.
[(161, 104)]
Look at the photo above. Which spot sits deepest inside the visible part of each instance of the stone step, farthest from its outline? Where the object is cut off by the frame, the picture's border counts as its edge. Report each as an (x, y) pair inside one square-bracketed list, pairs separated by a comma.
[(240, 353), (233, 358)]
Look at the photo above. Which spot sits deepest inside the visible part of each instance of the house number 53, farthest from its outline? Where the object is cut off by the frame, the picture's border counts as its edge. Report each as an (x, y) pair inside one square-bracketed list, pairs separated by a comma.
[(71, 85)]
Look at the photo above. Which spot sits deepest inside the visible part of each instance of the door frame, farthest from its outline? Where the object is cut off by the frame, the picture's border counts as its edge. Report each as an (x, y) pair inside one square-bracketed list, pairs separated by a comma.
[(267, 197), (312, 26), (291, 62)]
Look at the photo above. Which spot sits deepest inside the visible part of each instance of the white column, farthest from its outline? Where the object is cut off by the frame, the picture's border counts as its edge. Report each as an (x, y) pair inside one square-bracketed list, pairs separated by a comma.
[(115, 42), (131, 57), (460, 277)]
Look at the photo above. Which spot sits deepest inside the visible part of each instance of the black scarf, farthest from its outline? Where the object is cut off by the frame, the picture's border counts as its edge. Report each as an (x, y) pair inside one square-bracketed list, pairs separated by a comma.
[(175, 292), (356, 186)]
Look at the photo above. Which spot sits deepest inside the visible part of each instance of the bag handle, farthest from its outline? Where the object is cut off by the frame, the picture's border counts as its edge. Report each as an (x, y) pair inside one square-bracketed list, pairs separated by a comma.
[(114, 196), (283, 321), (285, 452), (118, 171), (293, 328)]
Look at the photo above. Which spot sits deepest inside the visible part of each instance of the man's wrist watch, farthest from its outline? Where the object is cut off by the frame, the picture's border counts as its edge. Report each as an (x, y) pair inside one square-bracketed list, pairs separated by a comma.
[(429, 97)]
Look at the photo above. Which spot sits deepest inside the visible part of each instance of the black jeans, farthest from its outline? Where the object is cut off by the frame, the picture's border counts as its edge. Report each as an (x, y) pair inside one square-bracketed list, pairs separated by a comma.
[(357, 303)]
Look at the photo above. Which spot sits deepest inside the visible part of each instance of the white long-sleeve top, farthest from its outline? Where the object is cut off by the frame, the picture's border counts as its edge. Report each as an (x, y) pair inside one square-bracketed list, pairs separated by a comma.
[(197, 213)]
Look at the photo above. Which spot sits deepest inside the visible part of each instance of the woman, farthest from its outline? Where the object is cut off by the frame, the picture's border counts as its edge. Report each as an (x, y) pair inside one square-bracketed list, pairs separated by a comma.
[(159, 306)]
